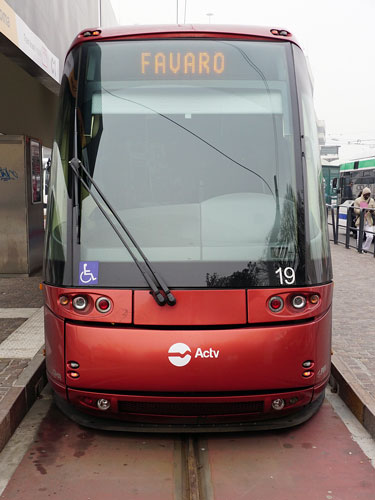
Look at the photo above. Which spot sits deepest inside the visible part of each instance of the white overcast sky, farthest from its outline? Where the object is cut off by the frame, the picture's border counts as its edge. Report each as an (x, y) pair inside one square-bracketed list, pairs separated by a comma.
[(338, 36)]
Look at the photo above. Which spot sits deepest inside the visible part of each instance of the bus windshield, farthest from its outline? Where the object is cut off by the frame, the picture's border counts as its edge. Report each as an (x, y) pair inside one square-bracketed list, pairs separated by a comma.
[(193, 142)]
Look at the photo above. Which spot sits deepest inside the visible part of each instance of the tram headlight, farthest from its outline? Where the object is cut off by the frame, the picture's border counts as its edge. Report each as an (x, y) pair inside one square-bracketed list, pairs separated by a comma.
[(80, 302), (103, 404), (278, 404), (298, 302)]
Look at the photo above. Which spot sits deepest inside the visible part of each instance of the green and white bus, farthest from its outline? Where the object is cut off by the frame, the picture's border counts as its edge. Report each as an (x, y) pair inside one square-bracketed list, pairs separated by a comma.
[(354, 177)]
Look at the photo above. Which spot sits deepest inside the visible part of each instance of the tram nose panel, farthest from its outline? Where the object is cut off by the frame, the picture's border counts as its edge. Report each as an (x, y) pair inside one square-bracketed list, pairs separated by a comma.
[(193, 308), (153, 360)]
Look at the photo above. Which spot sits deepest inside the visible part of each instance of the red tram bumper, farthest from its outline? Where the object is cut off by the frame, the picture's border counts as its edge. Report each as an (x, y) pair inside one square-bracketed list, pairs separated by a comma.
[(173, 378), (142, 422)]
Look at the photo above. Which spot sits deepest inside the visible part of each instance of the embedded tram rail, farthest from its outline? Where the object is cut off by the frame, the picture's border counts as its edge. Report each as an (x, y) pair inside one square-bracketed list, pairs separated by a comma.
[(59, 459)]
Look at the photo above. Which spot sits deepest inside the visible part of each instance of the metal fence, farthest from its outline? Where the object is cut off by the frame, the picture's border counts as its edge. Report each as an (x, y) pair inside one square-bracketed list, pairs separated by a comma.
[(342, 220)]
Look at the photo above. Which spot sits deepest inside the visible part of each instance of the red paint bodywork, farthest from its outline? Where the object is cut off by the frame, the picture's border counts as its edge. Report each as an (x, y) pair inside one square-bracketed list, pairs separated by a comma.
[(193, 308), (178, 31), (123, 354)]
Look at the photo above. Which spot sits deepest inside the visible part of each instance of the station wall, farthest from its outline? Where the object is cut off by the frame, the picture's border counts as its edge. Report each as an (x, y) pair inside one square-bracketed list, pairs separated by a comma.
[(28, 95), (57, 22), (26, 106)]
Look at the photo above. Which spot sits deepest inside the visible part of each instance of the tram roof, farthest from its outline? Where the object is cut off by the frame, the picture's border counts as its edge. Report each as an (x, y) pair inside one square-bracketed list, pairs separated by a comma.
[(179, 30)]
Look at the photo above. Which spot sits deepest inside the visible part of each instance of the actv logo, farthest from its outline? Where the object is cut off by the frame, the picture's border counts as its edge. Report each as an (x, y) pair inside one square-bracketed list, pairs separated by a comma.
[(180, 354)]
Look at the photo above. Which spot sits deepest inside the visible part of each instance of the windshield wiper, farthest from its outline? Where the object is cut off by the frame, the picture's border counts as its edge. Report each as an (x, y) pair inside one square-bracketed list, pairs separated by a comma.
[(154, 281)]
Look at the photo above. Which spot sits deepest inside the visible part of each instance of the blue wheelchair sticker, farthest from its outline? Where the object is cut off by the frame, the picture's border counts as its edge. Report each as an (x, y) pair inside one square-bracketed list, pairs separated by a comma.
[(88, 273)]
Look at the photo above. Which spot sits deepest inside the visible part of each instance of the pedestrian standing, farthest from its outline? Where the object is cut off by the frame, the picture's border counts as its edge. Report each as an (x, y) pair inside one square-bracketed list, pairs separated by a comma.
[(367, 204)]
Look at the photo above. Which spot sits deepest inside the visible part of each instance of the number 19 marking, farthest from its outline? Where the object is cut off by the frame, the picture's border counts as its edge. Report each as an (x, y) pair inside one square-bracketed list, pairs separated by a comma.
[(286, 275)]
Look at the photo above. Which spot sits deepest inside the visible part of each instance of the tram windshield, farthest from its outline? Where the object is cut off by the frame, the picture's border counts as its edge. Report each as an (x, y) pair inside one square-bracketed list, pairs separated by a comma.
[(195, 143)]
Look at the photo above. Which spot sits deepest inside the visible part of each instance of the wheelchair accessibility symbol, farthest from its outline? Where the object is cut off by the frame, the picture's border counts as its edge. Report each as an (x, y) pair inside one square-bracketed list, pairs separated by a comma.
[(88, 273)]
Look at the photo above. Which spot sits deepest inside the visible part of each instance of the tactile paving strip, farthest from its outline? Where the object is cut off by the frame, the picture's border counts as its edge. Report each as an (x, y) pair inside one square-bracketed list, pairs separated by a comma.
[(17, 312), (26, 341)]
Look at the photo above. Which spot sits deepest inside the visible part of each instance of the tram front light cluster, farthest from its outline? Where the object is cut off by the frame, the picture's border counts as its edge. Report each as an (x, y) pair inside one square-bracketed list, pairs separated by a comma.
[(102, 404), (84, 303), (91, 33), (308, 365), (73, 366), (280, 32), (296, 302)]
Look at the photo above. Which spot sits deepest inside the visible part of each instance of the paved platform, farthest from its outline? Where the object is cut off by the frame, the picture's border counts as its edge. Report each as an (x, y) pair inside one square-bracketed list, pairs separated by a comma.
[(21, 350), (353, 361), (353, 339)]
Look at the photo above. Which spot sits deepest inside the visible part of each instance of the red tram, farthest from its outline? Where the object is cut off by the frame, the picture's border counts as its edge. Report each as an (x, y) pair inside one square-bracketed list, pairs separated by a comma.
[(188, 279)]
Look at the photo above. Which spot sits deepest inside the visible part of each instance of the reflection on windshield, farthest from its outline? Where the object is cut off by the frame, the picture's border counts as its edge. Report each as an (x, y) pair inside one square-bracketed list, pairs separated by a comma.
[(283, 252)]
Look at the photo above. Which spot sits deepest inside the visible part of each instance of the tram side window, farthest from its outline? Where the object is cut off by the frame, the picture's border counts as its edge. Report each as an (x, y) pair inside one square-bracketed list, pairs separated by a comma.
[(318, 237)]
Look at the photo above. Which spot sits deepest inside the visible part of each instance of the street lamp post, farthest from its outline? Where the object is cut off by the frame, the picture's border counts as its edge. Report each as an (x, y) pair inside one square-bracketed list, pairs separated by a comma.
[(100, 12), (209, 15)]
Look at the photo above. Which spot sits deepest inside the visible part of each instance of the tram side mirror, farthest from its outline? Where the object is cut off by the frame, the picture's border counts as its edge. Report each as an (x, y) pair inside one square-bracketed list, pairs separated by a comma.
[(334, 183)]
